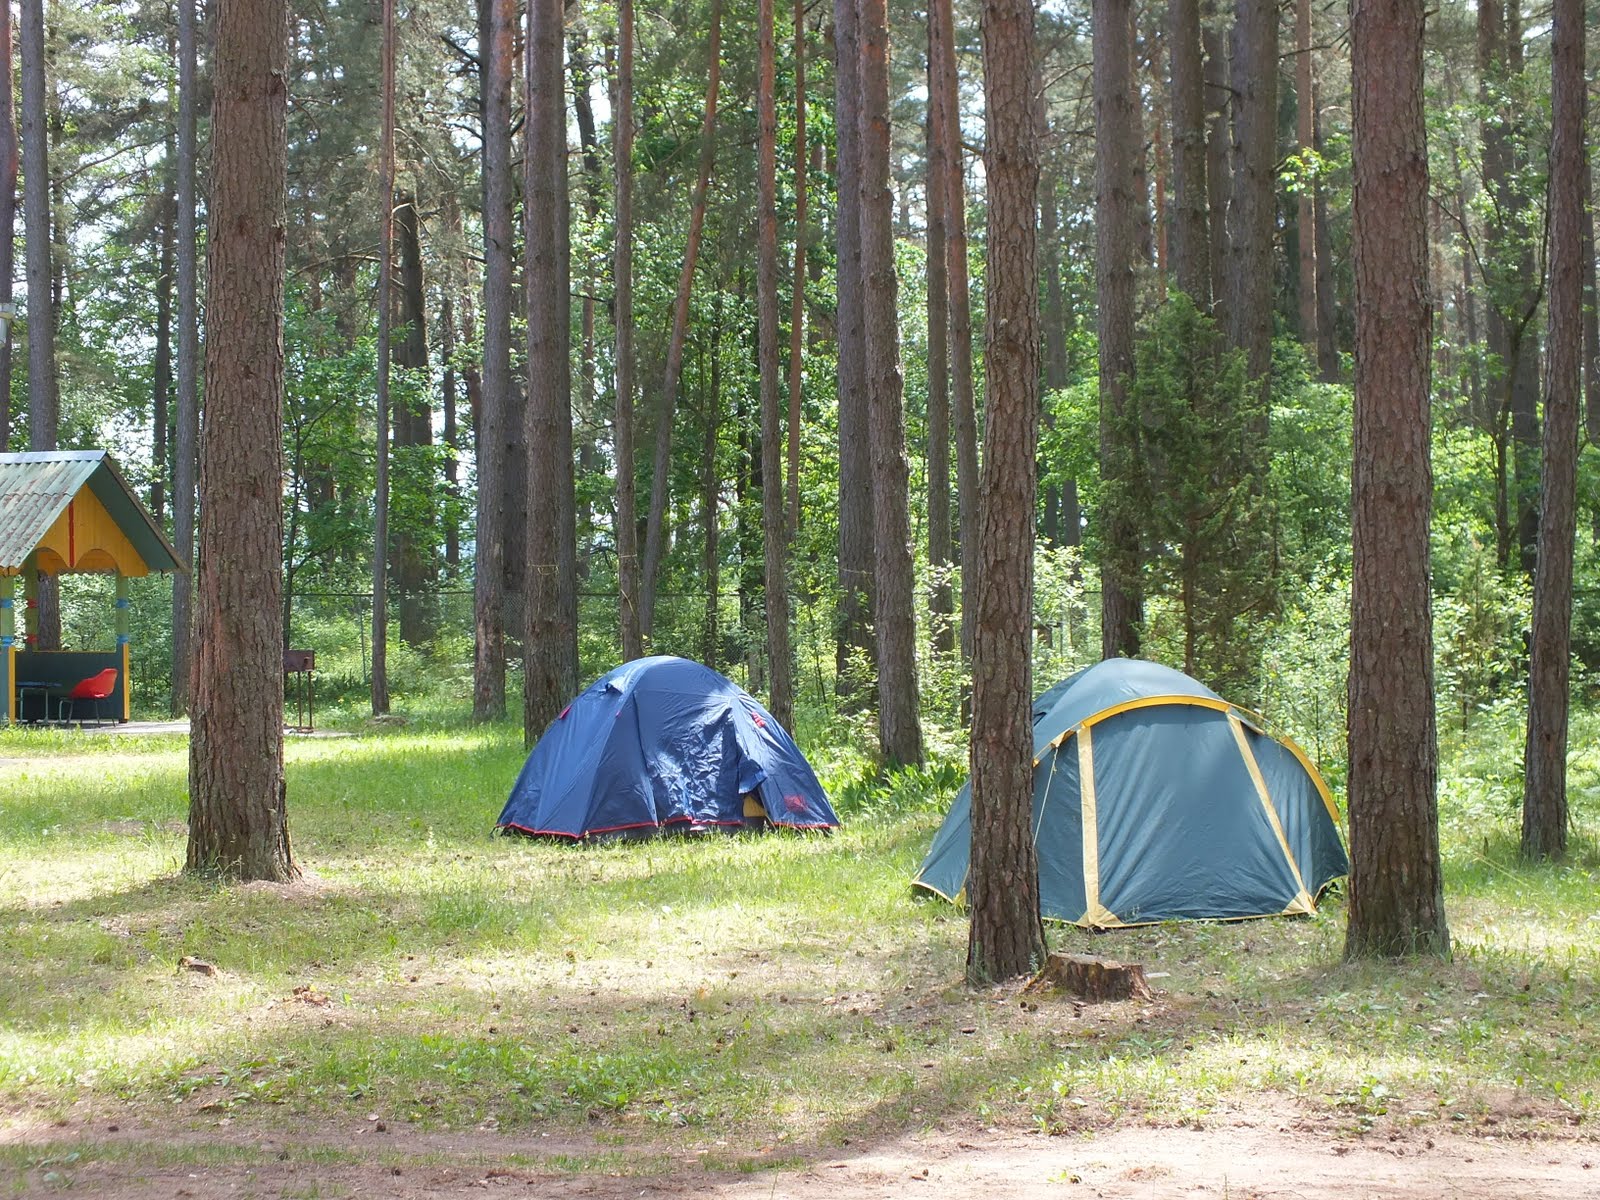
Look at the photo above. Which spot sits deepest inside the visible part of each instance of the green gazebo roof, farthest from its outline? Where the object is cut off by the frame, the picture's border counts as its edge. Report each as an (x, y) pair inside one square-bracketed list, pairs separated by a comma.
[(37, 488)]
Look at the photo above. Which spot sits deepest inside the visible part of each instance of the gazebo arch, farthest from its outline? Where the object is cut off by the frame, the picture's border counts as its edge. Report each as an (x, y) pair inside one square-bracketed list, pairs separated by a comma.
[(68, 512)]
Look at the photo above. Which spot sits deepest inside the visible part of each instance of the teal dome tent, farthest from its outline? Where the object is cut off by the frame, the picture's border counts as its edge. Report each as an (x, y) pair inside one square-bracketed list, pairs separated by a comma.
[(1154, 799)]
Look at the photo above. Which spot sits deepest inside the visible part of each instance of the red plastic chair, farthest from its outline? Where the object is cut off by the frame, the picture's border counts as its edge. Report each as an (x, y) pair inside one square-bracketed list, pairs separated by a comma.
[(96, 687)]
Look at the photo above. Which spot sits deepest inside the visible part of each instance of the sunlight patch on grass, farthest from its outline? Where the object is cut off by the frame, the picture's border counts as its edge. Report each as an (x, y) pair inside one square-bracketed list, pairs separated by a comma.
[(439, 976)]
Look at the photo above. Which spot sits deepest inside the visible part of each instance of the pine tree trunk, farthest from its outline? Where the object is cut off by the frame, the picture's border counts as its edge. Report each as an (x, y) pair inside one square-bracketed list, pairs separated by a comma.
[(1327, 317), (711, 477), (8, 215), (238, 823), (1396, 889), (627, 524), (1191, 253), (1591, 315), (941, 601), (551, 645), (1305, 220), (415, 546), (1064, 528), (1144, 243), (497, 22), (381, 542), (963, 406), (899, 724), (185, 462), (797, 296), (854, 630), (656, 521), (161, 366), (450, 433), (1158, 156), (1252, 199), (1544, 801), (580, 68), (44, 401), (1120, 593), (1523, 367), (43, 404), (1006, 935), (774, 516), (1219, 102)]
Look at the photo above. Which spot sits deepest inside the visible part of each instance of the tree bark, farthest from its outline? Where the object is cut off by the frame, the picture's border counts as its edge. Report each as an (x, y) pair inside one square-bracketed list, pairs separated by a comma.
[(8, 215), (1305, 220), (1544, 800), (1396, 889), (1139, 150), (449, 432), (711, 477), (1158, 157), (797, 296), (238, 821), (854, 640), (1591, 315), (186, 441), (43, 403), (551, 645), (381, 542), (1252, 198), (1120, 593), (656, 521), (627, 525), (161, 366), (1063, 519), (580, 69), (941, 600), (774, 516), (1525, 295), (899, 723), (1219, 103), (497, 25), (963, 404), (44, 399), (1006, 935), (415, 547), (1190, 239), (1096, 980), (1327, 316)]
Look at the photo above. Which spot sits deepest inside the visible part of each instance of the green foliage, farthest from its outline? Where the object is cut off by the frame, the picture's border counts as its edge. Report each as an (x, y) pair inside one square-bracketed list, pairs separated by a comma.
[(1190, 476), (1478, 629)]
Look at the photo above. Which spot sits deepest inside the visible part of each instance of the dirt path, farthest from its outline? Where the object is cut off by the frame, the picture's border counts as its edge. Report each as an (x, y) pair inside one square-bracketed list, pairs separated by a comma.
[(1245, 1160)]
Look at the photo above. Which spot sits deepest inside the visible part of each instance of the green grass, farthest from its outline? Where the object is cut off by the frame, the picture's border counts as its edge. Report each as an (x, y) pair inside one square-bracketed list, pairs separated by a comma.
[(752, 996)]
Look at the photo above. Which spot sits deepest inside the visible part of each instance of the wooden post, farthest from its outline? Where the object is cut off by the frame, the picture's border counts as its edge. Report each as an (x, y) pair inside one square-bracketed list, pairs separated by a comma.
[(8, 614), (30, 602), (8, 636), (124, 607), (124, 640)]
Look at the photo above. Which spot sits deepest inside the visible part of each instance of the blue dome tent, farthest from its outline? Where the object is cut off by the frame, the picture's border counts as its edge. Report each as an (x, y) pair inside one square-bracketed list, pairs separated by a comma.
[(664, 744), (1154, 800)]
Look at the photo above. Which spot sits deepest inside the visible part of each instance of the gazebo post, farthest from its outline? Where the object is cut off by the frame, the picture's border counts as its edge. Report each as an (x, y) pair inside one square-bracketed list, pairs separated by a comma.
[(8, 612), (124, 638), (30, 608), (8, 636)]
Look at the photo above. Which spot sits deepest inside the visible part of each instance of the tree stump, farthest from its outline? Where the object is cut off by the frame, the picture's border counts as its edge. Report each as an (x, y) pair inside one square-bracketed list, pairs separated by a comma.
[(1096, 980)]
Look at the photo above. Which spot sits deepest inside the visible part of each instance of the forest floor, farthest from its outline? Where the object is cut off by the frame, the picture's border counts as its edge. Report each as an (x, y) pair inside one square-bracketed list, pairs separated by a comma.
[(432, 1012)]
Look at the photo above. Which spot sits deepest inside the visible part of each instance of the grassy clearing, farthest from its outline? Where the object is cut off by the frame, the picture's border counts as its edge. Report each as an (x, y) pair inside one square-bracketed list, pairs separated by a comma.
[(752, 996)]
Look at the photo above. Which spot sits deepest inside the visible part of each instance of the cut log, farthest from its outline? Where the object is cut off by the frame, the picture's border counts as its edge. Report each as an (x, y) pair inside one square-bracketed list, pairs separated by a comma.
[(1096, 980)]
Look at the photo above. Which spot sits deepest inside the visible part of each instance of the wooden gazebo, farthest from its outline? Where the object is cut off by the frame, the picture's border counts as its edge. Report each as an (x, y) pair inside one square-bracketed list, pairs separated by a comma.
[(61, 512)]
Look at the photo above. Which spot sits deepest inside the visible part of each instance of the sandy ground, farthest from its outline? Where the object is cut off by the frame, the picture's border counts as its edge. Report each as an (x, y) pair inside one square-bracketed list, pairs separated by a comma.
[(1244, 1159)]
